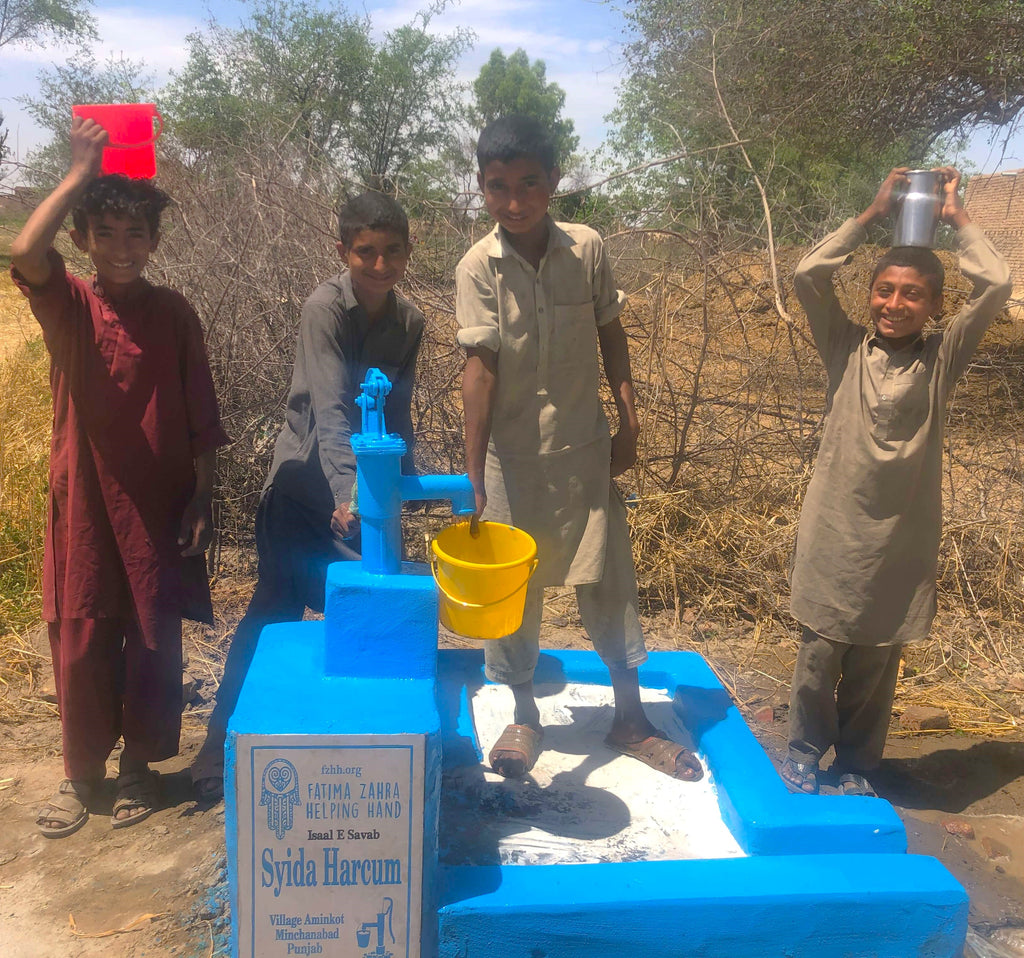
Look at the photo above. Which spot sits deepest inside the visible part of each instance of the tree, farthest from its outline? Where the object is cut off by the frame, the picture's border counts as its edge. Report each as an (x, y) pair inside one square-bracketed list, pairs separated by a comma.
[(31, 22), (825, 96), (514, 85), (5, 150), (287, 74), (81, 80), (409, 109), (315, 79)]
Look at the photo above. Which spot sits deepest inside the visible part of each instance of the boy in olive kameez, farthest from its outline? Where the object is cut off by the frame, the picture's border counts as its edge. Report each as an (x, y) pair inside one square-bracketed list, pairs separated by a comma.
[(863, 580)]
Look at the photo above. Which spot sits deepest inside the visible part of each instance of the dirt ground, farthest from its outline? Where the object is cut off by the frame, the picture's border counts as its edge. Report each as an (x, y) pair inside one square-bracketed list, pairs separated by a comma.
[(159, 888)]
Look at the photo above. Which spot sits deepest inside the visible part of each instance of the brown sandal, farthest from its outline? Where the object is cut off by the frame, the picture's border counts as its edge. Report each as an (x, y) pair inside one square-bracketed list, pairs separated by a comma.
[(136, 793), (660, 753), (523, 741), (69, 807)]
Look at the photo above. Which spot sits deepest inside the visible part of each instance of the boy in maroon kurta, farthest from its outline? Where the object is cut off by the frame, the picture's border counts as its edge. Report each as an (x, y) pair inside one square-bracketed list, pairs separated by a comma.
[(132, 462)]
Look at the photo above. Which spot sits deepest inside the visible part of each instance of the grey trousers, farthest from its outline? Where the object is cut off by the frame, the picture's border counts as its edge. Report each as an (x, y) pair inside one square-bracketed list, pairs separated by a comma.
[(841, 695)]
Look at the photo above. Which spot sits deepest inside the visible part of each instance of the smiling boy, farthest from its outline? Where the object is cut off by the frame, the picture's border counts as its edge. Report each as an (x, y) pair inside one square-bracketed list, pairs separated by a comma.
[(864, 568), (535, 302), (132, 462), (349, 324)]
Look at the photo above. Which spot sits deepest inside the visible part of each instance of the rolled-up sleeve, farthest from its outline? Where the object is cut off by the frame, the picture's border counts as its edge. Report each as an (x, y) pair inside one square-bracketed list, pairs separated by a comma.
[(476, 307), (608, 298), (51, 303), (985, 267)]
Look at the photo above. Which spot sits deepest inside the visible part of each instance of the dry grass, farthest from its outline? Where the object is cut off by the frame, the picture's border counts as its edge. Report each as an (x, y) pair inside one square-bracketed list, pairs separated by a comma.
[(17, 327), (24, 447)]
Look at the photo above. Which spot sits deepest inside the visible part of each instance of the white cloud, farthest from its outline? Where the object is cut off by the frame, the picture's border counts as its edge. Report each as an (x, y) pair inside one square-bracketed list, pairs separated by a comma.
[(156, 38), (159, 39)]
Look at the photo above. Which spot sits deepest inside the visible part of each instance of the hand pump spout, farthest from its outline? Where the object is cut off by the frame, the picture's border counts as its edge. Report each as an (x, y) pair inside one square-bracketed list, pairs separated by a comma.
[(381, 486)]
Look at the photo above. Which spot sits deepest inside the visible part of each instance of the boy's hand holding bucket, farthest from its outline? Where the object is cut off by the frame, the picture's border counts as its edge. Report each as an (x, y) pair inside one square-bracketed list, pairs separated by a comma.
[(88, 140)]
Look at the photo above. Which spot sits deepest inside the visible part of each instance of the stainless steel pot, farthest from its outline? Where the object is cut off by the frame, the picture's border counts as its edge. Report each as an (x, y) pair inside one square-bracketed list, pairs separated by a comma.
[(917, 215)]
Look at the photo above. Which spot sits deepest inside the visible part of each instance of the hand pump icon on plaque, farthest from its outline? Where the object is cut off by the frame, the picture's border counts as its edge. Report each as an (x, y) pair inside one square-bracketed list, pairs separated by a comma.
[(363, 933)]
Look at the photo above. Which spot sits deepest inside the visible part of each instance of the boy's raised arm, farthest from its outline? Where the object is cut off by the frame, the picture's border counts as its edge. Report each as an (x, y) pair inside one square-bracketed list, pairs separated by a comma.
[(30, 246), (479, 384)]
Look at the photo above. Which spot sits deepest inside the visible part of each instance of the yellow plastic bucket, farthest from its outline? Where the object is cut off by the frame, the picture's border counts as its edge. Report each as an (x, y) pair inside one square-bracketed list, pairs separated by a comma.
[(482, 579)]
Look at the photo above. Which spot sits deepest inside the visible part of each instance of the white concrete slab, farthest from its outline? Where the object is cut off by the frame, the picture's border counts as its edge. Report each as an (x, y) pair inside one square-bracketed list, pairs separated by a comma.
[(582, 802)]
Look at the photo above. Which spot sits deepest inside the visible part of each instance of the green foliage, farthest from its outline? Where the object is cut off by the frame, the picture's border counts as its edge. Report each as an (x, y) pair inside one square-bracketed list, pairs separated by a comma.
[(34, 22), (285, 76), (81, 80), (409, 109), (826, 98), (515, 85), (315, 79)]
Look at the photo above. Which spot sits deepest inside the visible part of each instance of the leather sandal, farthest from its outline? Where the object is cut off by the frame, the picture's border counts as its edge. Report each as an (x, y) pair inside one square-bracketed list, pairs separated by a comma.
[(69, 808), (137, 794), (659, 752), (797, 776), (852, 783), (516, 751)]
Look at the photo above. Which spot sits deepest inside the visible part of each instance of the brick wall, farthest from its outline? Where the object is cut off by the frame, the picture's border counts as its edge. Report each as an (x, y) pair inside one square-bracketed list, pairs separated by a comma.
[(996, 204)]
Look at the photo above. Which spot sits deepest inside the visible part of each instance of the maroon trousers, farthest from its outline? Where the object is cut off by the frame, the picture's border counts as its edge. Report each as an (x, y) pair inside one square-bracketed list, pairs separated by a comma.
[(110, 685)]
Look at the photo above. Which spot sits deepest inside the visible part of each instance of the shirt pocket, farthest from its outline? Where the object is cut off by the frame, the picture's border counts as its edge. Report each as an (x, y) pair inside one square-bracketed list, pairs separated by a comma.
[(573, 335), (907, 405)]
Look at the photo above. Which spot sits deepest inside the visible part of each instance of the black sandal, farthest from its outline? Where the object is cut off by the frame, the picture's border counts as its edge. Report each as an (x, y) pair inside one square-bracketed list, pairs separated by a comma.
[(801, 774), (852, 783)]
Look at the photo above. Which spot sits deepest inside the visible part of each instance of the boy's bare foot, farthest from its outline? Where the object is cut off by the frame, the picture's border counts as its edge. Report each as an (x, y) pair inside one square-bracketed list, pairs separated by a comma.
[(659, 752)]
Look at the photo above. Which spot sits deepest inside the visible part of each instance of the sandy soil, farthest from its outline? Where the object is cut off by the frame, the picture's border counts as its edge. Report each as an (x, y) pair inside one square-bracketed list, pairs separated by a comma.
[(159, 888)]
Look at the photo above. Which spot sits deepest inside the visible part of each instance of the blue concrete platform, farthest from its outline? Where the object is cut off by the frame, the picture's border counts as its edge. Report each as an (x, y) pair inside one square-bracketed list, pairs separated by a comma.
[(333, 782), (825, 876)]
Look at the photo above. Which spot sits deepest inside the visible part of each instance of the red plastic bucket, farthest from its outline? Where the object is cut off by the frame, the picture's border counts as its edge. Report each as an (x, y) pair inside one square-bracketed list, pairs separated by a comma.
[(130, 128)]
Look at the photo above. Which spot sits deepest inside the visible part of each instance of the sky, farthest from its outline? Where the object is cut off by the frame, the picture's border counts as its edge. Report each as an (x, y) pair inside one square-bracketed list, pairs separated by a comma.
[(579, 40)]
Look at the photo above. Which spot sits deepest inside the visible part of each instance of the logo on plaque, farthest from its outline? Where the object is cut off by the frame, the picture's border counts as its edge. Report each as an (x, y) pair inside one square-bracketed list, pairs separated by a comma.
[(280, 793)]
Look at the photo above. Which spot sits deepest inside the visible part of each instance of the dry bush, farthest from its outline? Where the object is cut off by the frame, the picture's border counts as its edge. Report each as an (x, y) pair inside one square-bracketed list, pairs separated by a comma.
[(732, 411), (731, 398), (247, 246), (731, 402)]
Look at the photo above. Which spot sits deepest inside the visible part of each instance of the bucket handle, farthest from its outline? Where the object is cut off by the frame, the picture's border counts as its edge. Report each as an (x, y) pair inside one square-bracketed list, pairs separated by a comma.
[(479, 605), (135, 146)]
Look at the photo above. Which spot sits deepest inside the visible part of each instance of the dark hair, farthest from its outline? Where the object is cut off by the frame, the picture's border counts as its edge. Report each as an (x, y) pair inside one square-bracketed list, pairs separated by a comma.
[(120, 196), (916, 257), (371, 211), (514, 136)]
